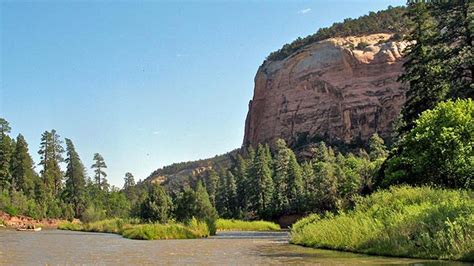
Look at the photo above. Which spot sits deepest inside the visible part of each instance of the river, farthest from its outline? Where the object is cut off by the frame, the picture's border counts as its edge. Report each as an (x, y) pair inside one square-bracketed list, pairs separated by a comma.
[(55, 247)]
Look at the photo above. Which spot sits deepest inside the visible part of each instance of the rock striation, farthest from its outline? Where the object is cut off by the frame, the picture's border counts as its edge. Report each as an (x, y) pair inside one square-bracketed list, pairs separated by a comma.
[(340, 90)]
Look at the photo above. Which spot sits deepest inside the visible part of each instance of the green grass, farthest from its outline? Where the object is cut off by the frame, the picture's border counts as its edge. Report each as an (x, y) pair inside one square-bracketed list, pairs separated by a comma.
[(402, 221), (131, 229), (70, 226), (238, 225), (194, 229)]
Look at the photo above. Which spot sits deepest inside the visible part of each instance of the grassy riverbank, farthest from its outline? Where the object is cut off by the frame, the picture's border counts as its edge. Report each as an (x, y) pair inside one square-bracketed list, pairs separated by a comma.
[(131, 229), (238, 225), (403, 222)]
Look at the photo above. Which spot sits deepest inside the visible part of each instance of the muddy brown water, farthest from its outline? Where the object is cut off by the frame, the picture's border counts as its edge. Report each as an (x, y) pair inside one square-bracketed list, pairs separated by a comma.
[(55, 247)]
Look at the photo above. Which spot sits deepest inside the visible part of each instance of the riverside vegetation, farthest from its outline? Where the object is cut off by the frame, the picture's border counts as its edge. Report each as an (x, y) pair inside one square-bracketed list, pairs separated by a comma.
[(432, 151), (402, 221)]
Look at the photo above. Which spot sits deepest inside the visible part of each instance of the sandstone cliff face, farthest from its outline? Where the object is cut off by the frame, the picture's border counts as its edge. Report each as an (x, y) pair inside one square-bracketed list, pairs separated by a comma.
[(341, 89)]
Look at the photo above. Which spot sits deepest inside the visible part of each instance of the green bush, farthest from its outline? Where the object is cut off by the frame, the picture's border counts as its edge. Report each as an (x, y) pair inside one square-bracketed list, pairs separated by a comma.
[(167, 231), (403, 221), (238, 225), (92, 214), (70, 226), (439, 150), (131, 229)]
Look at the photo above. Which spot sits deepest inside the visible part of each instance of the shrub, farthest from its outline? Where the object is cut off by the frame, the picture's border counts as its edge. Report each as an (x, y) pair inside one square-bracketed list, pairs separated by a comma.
[(237, 225), (403, 221), (362, 45), (92, 214), (439, 150), (131, 229)]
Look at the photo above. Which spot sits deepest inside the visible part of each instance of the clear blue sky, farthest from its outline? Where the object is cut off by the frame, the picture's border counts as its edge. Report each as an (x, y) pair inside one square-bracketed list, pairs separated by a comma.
[(148, 83)]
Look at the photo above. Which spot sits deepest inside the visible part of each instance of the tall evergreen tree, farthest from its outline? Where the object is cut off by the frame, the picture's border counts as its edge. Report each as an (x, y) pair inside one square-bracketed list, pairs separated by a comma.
[(454, 44), (421, 79), (262, 184), (377, 149), (74, 191), (321, 152), (240, 173), (51, 151), (294, 180), (309, 187), (100, 175), (440, 60), (203, 208), (129, 180), (211, 183), (221, 197), (22, 168), (281, 165), (6, 150)]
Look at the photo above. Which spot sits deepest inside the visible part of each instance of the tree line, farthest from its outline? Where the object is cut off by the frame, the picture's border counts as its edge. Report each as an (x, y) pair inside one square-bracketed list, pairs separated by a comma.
[(54, 193)]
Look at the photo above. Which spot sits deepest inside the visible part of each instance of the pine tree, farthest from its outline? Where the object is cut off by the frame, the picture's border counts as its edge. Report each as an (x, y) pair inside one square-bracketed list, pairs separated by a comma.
[(454, 44), (221, 197), (129, 188), (439, 63), (204, 210), (23, 173), (100, 175), (129, 181), (240, 173), (6, 150), (295, 184), (157, 206), (309, 187), (422, 74), (321, 153), (282, 160), (377, 149), (211, 182), (232, 199), (262, 184), (51, 151), (325, 183), (74, 191)]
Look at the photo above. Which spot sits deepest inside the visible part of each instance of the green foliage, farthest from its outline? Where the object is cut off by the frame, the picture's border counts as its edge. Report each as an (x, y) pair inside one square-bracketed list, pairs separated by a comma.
[(157, 206), (70, 226), (262, 187), (74, 191), (133, 230), (196, 204), (238, 225), (92, 214), (391, 20), (100, 175), (440, 58), (439, 150), (22, 168), (195, 229), (6, 150), (403, 221), (227, 203), (51, 151)]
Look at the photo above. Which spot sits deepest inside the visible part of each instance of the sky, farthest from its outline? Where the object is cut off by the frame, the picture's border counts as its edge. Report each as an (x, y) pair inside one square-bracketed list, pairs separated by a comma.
[(145, 83)]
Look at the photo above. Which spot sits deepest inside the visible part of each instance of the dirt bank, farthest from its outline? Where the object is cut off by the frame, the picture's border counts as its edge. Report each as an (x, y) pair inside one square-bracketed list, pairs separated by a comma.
[(22, 221)]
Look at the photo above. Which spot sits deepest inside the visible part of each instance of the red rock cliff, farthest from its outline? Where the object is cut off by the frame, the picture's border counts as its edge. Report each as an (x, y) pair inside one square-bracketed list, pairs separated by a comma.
[(341, 89)]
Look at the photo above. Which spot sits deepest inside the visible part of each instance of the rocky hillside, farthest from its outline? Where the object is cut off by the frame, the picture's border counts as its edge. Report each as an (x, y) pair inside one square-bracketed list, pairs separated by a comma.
[(340, 89), (179, 174)]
